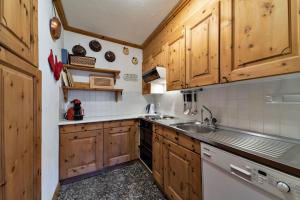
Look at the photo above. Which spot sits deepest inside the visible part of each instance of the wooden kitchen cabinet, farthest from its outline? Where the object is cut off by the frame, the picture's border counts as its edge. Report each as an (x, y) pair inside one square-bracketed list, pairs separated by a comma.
[(157, 159), (176, 60), (182, 172), (18, 28), (120, 142), (81, 153), (202, 47), (259, 38), (20, 126), (80, 149)]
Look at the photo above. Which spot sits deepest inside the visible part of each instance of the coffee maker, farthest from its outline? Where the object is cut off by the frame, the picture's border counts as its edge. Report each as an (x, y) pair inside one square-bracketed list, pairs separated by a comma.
[(75, 112)]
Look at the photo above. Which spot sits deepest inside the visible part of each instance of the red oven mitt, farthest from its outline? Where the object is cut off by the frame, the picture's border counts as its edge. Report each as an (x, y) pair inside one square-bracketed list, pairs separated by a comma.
[(51, 61), (58, 68)]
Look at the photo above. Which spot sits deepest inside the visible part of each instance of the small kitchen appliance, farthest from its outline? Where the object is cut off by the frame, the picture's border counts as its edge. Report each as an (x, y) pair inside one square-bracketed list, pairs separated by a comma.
[(150, 109), (75, 112)]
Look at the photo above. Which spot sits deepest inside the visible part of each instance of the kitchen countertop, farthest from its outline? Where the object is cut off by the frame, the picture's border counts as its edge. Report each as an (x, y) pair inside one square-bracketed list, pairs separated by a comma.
[(289, 162), (99, 119)]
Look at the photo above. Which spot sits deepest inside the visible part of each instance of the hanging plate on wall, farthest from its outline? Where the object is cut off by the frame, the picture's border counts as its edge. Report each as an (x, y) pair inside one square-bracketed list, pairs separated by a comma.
[(126, 50), (110, 56), (95, 45), (55, 28), (79, 50), (134, 61)]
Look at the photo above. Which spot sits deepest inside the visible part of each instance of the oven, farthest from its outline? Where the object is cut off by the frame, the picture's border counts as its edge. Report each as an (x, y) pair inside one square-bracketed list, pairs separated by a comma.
[(146, 142)]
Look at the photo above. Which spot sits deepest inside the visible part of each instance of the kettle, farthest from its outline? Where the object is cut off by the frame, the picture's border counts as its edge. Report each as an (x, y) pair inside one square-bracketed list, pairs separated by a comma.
[(150, 109)]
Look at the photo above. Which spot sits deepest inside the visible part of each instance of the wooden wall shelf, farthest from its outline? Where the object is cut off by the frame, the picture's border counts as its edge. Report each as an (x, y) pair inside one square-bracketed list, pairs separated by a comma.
[(109, 72), (115, 90), (114, 73)]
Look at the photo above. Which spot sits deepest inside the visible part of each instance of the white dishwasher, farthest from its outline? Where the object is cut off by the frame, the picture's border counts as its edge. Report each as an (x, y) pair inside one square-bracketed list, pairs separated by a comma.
[(226, 176)]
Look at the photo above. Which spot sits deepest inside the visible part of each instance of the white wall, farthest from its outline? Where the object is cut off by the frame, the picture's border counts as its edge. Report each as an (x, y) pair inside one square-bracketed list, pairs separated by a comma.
[(242, 105), (103, 103), (50, 103)]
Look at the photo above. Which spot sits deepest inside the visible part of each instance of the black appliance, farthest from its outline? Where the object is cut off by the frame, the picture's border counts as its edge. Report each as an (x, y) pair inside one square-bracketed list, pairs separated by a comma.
[(146, 142)]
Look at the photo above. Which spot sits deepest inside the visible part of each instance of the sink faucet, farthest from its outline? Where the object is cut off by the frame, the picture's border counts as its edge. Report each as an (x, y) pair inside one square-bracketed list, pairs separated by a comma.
[(211, 121)]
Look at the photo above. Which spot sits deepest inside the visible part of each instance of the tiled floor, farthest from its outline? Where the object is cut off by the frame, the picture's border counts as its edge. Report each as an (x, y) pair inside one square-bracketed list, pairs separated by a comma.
[(125, 183)]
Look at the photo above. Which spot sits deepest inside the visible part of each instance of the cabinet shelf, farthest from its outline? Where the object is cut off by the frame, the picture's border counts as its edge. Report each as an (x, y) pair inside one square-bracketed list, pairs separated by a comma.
[(115, 90)]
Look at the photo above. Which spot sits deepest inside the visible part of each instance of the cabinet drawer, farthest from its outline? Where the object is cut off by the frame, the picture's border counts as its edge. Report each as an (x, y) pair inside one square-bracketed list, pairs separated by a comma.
[(182, 140), (113, 124), (80, 127), (117, 130)]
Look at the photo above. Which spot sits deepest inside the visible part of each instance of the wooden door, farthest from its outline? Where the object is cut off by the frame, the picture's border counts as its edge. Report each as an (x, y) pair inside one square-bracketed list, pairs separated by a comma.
[(259, 38), (182, 172), (80, 153), (18, 28), (176, 61), (157, 159), (202, 53), (19, 133), (120, 145)]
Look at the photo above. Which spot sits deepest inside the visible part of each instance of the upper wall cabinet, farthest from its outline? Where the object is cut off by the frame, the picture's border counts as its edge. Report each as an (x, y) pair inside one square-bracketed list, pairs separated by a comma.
[(202, 42), (18, 28), (259, 38), (176, 60)]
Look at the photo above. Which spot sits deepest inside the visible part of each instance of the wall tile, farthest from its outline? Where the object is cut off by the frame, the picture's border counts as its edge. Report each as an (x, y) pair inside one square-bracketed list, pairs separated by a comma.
[(242, 105)]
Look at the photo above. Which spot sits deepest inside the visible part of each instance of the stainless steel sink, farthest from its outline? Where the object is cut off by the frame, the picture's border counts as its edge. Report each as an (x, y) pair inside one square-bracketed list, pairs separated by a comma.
[(194, 127), (158, 117)]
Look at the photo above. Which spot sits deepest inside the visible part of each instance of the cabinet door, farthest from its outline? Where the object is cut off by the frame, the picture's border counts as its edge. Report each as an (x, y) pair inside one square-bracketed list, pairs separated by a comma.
[(176, 61), (18, 27), (80, 153), (259, 38), (182, 178), (18, 135), (160, 57), (157, 159), (119, 145), (202, 53)]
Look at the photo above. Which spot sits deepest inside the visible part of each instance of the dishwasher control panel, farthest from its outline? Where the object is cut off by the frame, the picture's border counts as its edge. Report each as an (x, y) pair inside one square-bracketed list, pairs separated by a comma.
[(281, 185)]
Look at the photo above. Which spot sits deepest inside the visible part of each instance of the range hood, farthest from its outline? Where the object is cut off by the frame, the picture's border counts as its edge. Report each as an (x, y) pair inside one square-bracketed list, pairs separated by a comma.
[(155, 75)]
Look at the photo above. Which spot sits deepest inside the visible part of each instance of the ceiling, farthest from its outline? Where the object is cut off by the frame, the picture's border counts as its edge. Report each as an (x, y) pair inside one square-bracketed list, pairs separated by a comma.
[(127, 20)]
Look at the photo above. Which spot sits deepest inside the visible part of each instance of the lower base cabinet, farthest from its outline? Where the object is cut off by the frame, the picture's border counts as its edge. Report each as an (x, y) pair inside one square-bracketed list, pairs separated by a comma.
[(181, 172), (176, 165), (80, 153), (157, 159), (86, 148), (120, 142)]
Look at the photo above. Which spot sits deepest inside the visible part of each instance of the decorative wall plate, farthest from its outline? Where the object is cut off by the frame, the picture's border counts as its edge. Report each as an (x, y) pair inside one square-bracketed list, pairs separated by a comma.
[(95, 45), (126, 50), (110, 56), (79, 50), (134, 61), (55, 28)]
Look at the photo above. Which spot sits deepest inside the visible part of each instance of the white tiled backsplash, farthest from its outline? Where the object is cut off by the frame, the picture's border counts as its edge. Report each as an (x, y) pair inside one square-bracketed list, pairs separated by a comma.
[(242, 105), (97, 104)]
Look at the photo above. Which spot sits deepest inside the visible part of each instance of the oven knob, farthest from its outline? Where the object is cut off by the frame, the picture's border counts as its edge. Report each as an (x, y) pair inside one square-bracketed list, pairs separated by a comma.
[(283, 187)]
